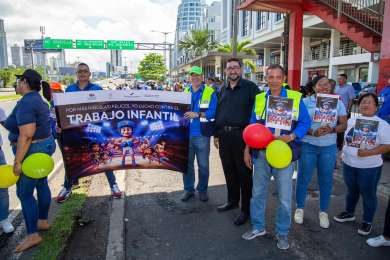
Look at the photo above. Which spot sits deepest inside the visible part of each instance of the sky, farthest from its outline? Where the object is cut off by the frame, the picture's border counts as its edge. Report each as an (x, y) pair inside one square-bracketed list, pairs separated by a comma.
[(91, 19)]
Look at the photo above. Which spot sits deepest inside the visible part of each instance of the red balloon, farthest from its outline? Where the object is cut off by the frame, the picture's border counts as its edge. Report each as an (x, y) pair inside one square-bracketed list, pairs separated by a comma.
[(257, 136)]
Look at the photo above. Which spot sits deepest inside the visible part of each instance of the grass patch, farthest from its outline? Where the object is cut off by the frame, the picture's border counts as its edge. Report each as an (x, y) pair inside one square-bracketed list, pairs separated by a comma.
[(9, 97), (55, 239)]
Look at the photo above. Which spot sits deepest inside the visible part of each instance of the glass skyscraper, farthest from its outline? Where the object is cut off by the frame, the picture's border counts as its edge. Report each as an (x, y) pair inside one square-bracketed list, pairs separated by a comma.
[(189, 14), (3, 46)]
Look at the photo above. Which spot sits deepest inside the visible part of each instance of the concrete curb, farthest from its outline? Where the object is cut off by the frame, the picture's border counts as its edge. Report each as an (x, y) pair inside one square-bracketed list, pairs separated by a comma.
[(115, 243), (18, 209)]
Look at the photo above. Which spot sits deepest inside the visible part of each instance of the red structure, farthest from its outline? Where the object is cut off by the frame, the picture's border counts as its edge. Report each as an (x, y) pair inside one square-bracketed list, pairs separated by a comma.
[(372, 32)]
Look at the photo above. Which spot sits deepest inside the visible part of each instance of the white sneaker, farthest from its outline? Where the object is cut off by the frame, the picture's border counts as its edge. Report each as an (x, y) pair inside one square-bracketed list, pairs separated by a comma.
[(378, 241), (324, 220), (7, 226), (298, 216), (251, 234)]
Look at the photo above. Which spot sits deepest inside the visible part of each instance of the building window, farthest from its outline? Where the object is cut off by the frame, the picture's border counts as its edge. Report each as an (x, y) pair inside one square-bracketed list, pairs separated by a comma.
[(245, 23), (279, 17), (315, 52), (261, 20)]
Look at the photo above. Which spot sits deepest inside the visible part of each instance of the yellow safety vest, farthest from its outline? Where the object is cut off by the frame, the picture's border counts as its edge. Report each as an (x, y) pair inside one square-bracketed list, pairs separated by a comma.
[(261, 101)]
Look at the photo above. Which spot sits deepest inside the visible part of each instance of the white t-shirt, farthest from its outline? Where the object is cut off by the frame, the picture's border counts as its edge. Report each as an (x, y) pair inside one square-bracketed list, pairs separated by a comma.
[(350, 156)]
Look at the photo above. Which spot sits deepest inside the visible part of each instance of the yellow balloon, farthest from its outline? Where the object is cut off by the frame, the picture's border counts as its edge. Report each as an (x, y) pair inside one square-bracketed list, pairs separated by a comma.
[(7, 176), (278, 154)]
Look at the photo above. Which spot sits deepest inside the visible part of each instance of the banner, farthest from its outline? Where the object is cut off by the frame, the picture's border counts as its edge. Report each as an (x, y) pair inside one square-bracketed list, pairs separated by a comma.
[(112, 130)]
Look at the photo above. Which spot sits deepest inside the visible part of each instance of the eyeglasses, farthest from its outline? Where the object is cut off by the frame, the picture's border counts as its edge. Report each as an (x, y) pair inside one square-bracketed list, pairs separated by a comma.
[(233, 68), (82, 71)]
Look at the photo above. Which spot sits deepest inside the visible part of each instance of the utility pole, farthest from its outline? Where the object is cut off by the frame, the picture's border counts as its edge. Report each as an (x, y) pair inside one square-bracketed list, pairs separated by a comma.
[(42, 30), (235, 27), (165, 43)]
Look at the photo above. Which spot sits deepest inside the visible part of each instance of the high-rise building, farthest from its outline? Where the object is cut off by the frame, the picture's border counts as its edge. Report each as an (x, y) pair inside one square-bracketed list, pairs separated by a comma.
[(213, 20), (26, 58), (3, 46), (61, 59), (190, 15), (16, 55), (39, 59), (116, 58)]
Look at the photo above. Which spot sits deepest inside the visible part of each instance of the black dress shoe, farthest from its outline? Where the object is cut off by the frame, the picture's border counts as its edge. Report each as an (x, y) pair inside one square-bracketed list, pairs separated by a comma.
[(227, 206), (241, 219)]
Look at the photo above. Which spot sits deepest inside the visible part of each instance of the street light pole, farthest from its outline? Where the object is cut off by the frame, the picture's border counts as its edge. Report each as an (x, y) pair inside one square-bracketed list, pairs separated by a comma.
[(235, 28), (165, 44)]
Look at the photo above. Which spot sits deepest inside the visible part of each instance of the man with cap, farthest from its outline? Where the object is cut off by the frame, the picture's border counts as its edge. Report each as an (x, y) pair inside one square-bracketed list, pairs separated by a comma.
[(201, 116), (83, 84)]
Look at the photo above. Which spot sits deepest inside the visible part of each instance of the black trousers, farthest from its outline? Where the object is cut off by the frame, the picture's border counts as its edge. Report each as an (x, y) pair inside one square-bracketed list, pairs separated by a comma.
[(386, 229), (238, 176)]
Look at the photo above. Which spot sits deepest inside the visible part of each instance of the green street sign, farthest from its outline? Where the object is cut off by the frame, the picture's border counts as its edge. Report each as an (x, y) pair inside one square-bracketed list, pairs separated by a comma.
[(120, 45), (57, 43), (89, 44)]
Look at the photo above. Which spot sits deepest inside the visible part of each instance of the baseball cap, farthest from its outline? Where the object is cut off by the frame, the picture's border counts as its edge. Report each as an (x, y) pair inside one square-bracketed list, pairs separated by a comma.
[(32, 76), (195, 70)]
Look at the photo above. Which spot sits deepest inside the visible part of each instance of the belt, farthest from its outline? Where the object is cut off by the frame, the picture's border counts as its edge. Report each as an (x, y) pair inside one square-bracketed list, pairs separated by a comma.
[(33, 141), (228, 128)]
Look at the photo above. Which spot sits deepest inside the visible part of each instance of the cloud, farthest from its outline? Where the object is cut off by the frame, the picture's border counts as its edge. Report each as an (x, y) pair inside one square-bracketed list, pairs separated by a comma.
[(99, 19)]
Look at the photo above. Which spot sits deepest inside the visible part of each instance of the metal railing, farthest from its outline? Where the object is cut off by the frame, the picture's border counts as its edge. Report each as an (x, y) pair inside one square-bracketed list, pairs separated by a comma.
[(317, 53), (348, 48), (368, 13)]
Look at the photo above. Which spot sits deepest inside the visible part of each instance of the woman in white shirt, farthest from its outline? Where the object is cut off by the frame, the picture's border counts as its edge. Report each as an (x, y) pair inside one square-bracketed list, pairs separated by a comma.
[(366, 139)]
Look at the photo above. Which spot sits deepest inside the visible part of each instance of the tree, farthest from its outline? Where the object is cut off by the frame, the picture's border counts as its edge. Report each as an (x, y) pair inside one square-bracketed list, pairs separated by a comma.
[(241, 48), (67, 80), (198, 42), (152, 67), (5, 76)]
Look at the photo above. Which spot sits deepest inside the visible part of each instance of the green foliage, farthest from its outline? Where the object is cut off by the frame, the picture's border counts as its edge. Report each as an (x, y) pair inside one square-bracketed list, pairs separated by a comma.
[(241, 48), (67, 80), (198, 42), (152, 67), (55, 239), (8, 74)]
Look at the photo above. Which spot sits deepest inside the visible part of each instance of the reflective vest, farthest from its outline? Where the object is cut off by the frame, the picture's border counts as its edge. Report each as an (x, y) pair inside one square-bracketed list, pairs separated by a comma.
[(260, 104), (261, 101), (207, 127)]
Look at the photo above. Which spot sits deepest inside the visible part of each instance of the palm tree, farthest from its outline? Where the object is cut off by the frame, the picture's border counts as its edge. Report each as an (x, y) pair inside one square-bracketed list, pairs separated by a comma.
[(197, 42), (241, 48)]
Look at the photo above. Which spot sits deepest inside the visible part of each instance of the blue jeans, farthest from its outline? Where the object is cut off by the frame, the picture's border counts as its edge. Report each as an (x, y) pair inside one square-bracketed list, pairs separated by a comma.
[(262, 173), (200, 147), (4, 200), (110, 178), (322, 158), (32, 211), (362, 182)]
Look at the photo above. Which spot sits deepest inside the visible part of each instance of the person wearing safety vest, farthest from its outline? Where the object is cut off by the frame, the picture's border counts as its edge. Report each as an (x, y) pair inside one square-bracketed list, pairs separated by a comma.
[(201, 116), (262, 171)]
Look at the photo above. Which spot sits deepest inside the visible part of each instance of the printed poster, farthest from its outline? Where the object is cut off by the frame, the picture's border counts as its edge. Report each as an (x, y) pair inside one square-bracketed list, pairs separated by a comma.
[(279, 113), (363, 134), (119, 129), (326, 109)]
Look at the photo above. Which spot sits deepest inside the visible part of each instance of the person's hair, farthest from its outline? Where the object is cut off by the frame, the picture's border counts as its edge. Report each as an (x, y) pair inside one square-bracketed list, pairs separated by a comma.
[(308, 88), (46, 90), (375, 97), (332, 82), (317, 79), (35, 82), (343, 75), (235, 60), (274, 67), (82, 64)]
